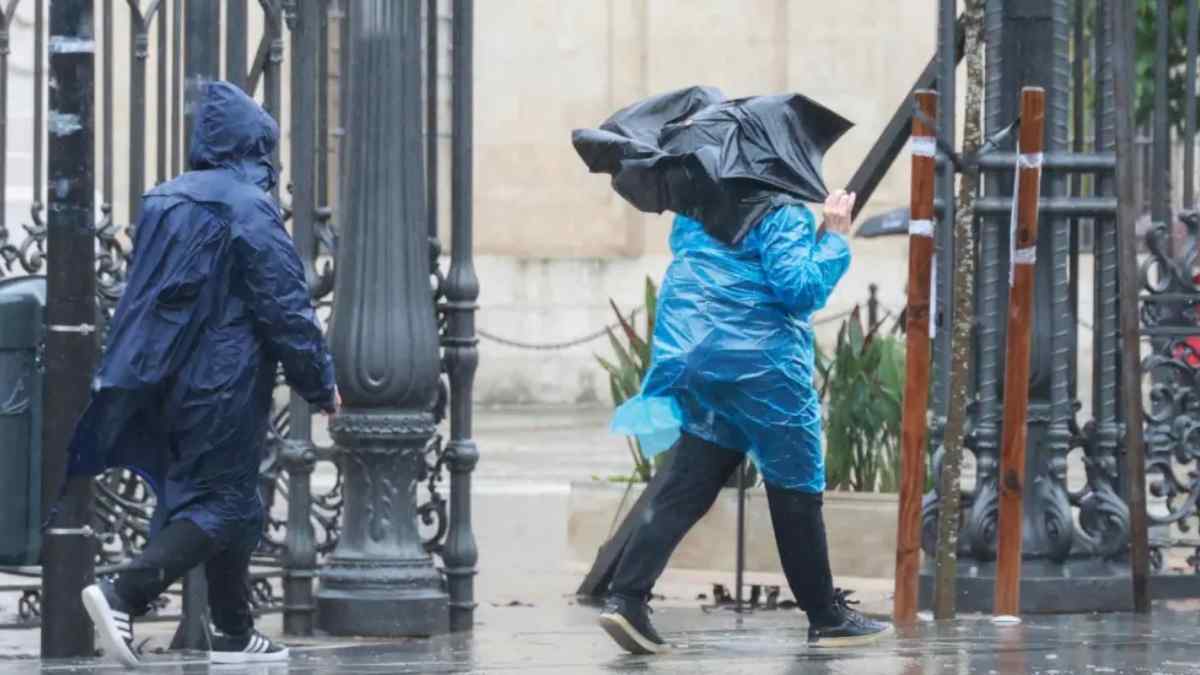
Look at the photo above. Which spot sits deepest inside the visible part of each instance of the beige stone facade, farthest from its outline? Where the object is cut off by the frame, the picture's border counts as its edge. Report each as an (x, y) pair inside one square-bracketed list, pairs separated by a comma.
[(545, 67), (554, 243)]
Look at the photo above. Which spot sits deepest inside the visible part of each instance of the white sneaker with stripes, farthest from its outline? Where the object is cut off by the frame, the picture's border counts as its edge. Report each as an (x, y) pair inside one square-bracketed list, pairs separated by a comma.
[(113, 623), (253, 647)]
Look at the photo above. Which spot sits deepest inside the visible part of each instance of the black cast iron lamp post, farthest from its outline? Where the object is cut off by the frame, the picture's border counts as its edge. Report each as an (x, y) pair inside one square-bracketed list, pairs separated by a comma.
[(380, 580)]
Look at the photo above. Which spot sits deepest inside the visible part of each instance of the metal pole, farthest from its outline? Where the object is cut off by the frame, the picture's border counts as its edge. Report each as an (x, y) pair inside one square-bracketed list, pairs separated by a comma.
[(236, 41), (6, 18), (323, 54), (39, 96), (299, 457), (107, 166), (69, 549), (461, 344), (177, 127), (201, 63), (917, 361), (139, 26), (163, 94), (432, 55), (201, 66), (1079, 52), (380, 580), (1106, 338), (872, 306), (1189, 106), (1122, 37), (1016, 367), (273, 70), (1161, 186), (944, 239), (740, 568)]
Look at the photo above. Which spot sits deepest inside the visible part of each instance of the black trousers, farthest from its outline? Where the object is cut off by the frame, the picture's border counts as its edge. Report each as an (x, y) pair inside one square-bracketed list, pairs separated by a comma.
[(693, 480), (176, 549)]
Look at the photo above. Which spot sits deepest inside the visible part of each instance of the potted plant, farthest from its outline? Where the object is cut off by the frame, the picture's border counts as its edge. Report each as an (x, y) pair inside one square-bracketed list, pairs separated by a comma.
[(862, 385), (627, 369)]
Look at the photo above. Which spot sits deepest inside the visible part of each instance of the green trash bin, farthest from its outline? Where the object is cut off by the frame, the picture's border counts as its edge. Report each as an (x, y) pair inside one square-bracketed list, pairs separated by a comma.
[(22, 332)]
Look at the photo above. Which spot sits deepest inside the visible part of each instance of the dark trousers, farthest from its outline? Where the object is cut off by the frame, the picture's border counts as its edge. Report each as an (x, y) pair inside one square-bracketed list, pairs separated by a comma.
[(176, 549), (693, 480)]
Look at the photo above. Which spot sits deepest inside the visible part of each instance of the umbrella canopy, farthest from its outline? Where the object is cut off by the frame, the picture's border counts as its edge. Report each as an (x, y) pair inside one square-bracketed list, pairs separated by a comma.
[(721, 162)]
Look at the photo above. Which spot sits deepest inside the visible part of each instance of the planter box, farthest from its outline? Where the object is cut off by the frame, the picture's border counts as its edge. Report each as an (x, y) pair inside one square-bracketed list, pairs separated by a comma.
[(861, 528)]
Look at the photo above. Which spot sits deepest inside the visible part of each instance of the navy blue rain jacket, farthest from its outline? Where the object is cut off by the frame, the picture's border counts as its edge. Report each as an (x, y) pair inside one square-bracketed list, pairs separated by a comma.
[(216, 299)]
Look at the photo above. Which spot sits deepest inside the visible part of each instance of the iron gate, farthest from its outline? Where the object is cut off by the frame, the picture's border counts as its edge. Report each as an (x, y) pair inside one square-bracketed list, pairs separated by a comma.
[(286, 53)]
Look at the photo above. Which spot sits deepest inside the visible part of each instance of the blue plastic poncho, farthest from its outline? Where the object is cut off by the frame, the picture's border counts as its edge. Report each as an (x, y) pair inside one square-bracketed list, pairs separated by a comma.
[(216, 298), (732, 356)]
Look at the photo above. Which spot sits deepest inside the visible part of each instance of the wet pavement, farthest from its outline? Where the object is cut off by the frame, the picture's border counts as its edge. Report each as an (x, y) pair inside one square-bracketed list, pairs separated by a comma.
[(521, 497), (563, 640)]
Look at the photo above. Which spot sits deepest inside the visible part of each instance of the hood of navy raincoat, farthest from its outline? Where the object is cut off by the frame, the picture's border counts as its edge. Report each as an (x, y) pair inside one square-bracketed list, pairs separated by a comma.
[(231, 131)]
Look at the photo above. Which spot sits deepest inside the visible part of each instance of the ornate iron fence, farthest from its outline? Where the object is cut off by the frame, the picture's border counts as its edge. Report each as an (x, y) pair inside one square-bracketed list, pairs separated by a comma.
[(298, 51), (1083, 531)]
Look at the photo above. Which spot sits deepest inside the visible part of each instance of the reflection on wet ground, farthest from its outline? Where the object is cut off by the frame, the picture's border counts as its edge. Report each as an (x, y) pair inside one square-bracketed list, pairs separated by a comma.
[(562, 640)]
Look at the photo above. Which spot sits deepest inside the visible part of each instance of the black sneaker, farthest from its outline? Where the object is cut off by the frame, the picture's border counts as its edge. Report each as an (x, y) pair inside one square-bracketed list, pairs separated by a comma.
[(628, 622), (253, 647), (113, 620), (842, 626)]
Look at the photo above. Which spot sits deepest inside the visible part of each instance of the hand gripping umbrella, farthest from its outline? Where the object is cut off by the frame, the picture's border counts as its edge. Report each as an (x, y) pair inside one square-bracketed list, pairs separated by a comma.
[(724, 163)]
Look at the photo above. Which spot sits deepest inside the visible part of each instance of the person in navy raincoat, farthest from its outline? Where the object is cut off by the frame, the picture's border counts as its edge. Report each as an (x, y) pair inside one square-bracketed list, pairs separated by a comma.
[(732, 356), (216, 299)]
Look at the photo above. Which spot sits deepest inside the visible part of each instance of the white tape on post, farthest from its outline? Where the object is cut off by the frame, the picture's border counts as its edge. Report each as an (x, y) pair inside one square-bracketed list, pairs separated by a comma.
[(1031, 160), (1012, 221), (1023, 256), (920, 228), (922, 146)]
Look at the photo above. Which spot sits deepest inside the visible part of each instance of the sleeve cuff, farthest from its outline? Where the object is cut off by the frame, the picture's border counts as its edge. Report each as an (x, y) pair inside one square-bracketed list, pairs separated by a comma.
[(327, 404), (835, 240)]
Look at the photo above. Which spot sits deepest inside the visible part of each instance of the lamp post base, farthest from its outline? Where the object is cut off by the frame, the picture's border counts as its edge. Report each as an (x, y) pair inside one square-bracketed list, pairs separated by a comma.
[(1076, 586), (382, 598)]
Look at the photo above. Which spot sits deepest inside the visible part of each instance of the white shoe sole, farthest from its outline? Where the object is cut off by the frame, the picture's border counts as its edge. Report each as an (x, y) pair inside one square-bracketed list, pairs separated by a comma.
[(238, 658), (854, 641), (101, 613), (630, 639)]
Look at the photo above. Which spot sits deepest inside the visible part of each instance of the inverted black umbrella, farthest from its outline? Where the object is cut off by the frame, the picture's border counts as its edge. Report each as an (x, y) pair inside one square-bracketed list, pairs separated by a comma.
[(721, 162)]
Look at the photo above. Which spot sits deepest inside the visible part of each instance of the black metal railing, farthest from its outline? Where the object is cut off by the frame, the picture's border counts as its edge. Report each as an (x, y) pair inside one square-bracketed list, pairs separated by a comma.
[(301, 481), (1089, 525)]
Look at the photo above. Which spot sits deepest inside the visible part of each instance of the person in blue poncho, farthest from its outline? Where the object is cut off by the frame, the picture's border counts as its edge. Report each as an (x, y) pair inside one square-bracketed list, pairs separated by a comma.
[(732, 369), (216, 298)]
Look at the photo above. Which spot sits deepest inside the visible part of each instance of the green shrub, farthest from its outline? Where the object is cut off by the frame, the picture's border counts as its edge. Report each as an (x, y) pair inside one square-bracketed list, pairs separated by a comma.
[(625, 373), (862, 386)]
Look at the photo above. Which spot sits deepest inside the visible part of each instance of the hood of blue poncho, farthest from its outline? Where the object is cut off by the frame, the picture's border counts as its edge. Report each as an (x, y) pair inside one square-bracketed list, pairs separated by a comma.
[(232, 131)]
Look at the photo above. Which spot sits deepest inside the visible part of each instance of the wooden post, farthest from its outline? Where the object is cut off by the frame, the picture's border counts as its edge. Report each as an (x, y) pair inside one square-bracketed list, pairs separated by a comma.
[(1122, 30), (1016, 367), (914, 424)]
